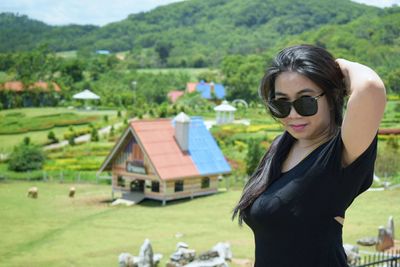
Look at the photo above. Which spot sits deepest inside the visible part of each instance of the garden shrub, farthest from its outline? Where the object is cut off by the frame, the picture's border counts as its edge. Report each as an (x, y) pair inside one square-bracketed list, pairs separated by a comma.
[(254, 154), (26, 157), (52, 137), (94, 135)]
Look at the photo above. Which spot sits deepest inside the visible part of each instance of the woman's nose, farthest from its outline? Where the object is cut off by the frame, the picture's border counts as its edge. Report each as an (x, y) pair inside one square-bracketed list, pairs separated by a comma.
[(293, 113)]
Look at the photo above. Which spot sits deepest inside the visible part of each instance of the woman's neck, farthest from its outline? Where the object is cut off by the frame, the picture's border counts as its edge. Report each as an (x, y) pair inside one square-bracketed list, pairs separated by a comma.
[(314, 142)]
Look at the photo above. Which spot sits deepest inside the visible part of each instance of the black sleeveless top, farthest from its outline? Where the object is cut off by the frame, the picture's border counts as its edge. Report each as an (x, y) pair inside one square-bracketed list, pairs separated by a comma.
[(293, 219)]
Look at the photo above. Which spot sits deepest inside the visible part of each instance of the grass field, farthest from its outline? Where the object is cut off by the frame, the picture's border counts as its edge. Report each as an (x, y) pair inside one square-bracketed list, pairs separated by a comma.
[(192, 72), (54, 230)]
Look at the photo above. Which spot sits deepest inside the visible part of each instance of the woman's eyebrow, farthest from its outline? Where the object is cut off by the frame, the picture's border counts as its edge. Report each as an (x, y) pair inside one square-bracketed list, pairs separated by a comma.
[(280, 94), (306, 90)]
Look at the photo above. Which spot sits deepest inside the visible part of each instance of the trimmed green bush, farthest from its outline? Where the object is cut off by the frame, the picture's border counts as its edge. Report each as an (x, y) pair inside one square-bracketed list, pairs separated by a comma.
[(26, 157), (52, 137), (94, 135), (16, 122)]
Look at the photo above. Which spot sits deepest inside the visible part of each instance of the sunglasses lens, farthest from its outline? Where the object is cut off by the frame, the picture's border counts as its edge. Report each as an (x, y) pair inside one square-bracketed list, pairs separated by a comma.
[(306, 106), (279, 108)]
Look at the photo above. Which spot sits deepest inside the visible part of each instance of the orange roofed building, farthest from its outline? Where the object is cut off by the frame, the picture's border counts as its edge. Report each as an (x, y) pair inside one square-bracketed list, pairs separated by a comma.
[(18, 86), (166, 159), (15, 94)]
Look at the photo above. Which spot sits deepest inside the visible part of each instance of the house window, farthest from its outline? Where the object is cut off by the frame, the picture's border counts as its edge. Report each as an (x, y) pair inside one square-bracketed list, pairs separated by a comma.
[(205, 182), (155, 186), (120, 181), (179, 186)]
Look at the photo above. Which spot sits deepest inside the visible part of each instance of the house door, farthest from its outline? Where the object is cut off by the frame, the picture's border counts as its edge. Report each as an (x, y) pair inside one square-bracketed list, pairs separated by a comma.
[(137, 186)]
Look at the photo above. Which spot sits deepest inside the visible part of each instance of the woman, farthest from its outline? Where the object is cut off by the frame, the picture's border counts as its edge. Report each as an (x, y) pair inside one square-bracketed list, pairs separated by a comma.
[(295, 201)]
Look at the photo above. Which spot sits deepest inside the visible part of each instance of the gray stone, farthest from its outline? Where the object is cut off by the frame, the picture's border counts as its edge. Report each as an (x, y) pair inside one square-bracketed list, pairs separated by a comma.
[(216, 257), (224, 250), (183, 255), (213, 262), (352, 254), (210, 254), (390, 227), (127, 260), (146, 255), (385, 240), (182, 245), (157, 258), (367, 241)]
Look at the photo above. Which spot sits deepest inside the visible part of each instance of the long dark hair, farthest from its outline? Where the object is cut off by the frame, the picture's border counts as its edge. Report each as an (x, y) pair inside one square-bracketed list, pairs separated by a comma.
[(316, 64)]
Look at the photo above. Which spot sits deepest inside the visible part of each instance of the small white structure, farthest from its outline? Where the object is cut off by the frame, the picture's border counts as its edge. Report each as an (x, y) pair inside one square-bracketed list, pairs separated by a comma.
[(225, 113), (86, 95)]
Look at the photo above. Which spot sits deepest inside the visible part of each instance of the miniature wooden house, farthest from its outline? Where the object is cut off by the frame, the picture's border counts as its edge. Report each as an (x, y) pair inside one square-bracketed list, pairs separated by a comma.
[(166, 160)]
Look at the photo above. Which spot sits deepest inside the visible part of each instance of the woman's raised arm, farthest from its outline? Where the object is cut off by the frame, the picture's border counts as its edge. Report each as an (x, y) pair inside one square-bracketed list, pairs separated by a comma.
[(365, 108)]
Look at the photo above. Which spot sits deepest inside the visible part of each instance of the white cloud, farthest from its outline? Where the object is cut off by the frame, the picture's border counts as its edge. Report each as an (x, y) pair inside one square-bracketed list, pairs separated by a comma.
[(379, 3), (98, 12)]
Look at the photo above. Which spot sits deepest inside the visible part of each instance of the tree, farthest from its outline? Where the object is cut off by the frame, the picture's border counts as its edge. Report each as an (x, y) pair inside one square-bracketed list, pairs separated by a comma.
[(163, 50), (27, 140), (94, 135), (73, 69), (52, 137), (393, 81), (242, 76), (388, 161), (71, 140), (26, 157), (254, 154)]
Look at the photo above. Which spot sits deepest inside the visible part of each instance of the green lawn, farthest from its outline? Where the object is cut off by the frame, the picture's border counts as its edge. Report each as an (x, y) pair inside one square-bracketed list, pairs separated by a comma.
[(54, 230), (193, 72)]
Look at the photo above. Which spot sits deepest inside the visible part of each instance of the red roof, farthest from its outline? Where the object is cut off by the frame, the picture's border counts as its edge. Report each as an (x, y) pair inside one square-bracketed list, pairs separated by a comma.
[(18, 86), (15, 86), (191, 87), (45, 86), (174, 95), (157, 139)]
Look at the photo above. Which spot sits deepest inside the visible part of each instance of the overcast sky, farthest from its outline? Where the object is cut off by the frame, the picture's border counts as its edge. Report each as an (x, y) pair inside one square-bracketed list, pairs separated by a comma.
[(99, 12)]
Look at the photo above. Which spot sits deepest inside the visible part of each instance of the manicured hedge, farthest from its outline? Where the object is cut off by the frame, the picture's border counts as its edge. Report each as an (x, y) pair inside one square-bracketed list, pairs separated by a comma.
[(17, 123)]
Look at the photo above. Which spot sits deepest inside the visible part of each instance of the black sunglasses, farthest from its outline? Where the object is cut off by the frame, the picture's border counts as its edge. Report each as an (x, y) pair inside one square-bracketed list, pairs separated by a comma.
[(304, 106)]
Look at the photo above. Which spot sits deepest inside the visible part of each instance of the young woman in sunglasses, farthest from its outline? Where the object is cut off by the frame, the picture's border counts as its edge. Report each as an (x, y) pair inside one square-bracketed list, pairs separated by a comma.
[(295, 201)]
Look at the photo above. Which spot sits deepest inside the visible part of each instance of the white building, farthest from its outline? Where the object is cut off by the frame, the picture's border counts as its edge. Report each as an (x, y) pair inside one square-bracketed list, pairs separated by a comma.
[(225, 113)]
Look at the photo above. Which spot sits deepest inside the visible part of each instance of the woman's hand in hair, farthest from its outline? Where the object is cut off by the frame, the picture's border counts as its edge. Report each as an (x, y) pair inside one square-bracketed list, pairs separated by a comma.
[(365, 108)]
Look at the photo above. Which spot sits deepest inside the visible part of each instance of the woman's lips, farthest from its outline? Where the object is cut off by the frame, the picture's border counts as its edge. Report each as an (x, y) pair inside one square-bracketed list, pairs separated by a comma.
[(298, 127)]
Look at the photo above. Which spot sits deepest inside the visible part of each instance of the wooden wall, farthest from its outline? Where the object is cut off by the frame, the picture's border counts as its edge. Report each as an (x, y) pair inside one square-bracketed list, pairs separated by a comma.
[(191, 187)]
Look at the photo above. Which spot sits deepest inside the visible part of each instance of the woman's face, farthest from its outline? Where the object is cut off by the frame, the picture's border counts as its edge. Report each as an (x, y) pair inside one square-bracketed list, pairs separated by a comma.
[(290, 86)]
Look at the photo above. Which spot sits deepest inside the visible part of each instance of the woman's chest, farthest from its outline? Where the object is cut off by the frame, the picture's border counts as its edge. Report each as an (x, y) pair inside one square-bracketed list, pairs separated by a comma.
[(292, 198)]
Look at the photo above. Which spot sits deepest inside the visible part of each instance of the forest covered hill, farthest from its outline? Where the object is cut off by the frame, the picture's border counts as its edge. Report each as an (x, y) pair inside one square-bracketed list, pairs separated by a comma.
[(237, 37), (192, 33)]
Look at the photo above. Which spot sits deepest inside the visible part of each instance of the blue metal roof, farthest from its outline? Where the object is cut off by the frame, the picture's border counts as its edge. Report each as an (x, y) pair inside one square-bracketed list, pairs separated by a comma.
[(219, 91), (205, 90), (204, 150)]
